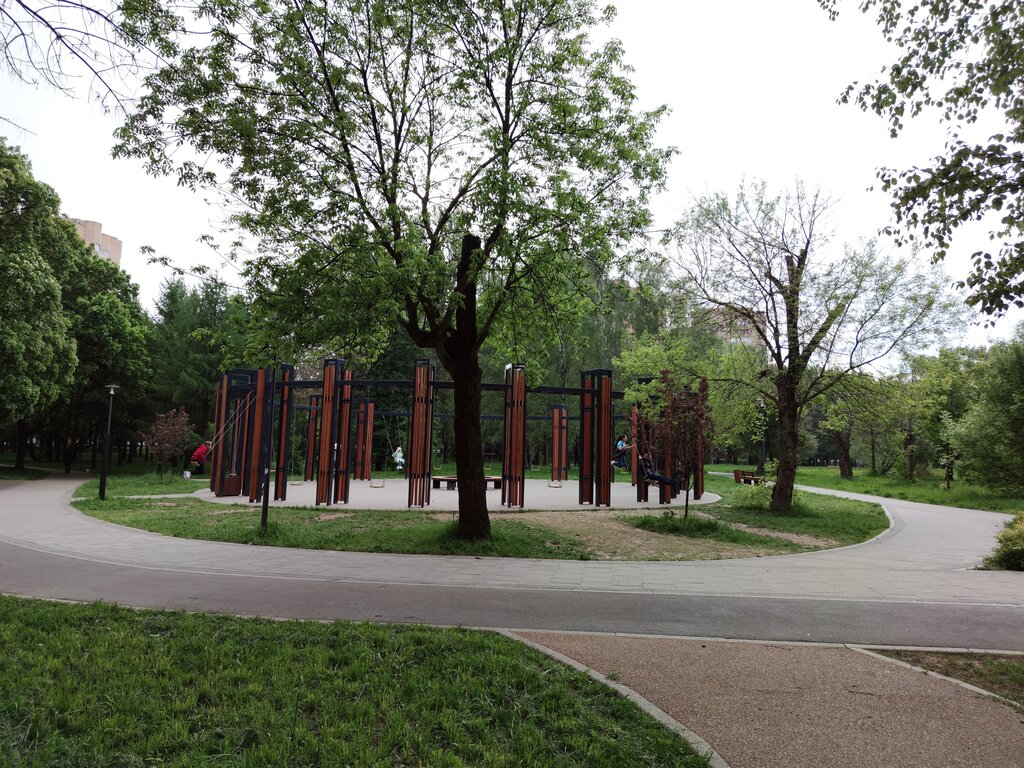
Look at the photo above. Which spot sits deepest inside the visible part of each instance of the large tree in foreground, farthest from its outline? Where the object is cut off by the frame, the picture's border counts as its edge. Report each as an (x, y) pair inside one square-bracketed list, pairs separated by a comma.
[(818, 314), (963, 63), (457, 166)]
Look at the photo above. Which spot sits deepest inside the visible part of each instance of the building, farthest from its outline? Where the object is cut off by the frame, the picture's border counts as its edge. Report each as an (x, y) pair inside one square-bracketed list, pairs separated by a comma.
[(106, 246)]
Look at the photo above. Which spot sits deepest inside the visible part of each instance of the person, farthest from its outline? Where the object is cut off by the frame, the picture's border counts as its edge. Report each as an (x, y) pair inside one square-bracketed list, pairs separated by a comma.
[(69, 457), (648, 474), (622, 446), (399, 458), (199, 458)]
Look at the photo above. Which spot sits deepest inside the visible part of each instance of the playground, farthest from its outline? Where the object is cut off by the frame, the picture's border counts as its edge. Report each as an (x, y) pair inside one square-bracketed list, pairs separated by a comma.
[(313, 442)]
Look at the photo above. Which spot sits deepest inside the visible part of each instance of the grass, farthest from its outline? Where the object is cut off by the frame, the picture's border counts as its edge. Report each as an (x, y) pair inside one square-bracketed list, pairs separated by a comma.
[(928, 490), (10, 473), (103, 686), (843, 521), (148, 484), (1002, 675), (705, 528), (404, 531)]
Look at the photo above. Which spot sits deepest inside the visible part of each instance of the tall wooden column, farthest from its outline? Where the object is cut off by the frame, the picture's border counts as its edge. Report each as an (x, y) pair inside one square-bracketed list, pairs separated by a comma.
[(512, 474), (559, 444), (364, 439), (284, 432), (420, 437)]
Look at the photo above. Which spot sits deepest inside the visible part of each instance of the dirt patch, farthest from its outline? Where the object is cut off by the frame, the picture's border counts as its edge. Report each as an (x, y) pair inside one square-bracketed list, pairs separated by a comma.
[(333, 516), (608, 538)]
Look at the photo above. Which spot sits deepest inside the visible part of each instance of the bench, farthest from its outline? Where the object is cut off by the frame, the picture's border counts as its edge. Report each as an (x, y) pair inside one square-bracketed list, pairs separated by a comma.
[(451, 481), (745, 477)]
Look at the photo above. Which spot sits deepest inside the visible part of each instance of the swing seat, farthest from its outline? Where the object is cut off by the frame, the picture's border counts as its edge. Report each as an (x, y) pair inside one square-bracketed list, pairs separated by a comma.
[(377, 483)]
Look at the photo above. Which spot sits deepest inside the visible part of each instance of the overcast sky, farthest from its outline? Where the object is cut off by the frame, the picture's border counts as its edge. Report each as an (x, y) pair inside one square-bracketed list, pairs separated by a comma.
[(752, 87)]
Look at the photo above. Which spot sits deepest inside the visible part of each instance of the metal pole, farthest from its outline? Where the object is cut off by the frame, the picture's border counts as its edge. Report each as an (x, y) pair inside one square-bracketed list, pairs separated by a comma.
[(105, 462)]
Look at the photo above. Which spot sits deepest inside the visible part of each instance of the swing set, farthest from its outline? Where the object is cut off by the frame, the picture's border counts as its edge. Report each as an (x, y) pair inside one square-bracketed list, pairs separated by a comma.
[(255, 405)]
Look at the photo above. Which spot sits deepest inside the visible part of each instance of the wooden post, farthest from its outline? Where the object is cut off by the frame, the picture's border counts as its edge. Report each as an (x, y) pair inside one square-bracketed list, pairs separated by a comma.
[(559, 444), (284, 431), (512, 474), (328, 432), (311, 434), (421, 417), (364, 439), (344, 437)]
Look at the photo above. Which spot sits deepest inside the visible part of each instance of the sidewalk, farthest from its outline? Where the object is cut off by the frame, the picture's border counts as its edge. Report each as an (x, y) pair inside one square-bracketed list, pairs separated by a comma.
[(792, 706)]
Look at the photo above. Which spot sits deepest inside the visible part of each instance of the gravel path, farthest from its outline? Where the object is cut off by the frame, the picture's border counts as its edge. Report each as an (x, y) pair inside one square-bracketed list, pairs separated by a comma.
[(792, 706)]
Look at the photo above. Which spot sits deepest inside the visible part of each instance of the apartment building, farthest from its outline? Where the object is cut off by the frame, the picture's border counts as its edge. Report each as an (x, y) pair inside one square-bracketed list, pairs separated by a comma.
[(107, 246)]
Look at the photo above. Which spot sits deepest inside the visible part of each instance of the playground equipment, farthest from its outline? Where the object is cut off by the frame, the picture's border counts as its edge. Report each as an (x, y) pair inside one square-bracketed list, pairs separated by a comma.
[(254, 406)]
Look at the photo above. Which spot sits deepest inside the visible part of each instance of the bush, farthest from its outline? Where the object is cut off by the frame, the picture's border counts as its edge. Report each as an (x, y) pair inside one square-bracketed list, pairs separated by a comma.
[(1009, 554)]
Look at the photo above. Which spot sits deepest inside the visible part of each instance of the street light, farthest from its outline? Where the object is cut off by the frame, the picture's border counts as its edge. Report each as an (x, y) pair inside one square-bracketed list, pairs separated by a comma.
[(105, 463)]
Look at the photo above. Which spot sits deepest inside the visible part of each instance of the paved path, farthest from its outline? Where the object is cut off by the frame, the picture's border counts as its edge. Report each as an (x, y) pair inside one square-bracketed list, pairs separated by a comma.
[(758, 705)]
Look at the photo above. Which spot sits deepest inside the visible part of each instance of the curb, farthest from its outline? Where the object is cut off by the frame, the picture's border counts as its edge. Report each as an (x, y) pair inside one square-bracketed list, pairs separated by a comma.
[(700, 745)]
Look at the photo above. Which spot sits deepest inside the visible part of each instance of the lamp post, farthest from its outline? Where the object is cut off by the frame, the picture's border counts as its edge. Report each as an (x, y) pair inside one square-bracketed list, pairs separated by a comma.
[(105, 463)]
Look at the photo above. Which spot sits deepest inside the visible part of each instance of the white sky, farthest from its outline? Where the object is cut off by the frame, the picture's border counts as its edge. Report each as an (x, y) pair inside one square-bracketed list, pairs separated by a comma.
[(752, 86)]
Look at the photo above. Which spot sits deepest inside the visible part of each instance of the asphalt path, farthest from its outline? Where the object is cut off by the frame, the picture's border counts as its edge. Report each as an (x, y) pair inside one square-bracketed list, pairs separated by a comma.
[(910, 587)]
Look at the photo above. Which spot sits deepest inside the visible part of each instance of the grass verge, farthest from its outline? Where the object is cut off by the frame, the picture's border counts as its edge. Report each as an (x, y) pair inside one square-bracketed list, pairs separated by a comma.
[(928, 490), (148, 484), (10, 473), (842, 521), (705, 528), (405, 531), (98, 685), (1002, 675)]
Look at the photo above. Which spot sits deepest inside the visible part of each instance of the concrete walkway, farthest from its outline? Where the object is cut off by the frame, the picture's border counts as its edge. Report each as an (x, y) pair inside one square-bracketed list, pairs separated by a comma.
[(758, 705)]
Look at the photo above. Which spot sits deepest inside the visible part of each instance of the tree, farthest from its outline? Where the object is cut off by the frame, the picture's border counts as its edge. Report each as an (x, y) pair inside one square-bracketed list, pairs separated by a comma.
[(456, 166), (57, 41), (37, 350), (169, 435), (988, 437), (195, 328), (683, 422), (817, 316), (962, 61)]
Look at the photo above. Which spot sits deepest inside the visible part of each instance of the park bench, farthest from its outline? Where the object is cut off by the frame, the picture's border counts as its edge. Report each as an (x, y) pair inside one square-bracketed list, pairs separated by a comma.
[(745, 477), (451, 481)]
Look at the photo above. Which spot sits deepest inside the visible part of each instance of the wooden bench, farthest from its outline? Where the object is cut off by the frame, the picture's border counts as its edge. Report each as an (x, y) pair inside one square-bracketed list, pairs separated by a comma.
[(745, 477), (451, 482)]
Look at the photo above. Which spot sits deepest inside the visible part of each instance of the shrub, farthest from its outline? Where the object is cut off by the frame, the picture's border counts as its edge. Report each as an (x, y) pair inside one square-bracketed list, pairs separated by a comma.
[(1009, 554)]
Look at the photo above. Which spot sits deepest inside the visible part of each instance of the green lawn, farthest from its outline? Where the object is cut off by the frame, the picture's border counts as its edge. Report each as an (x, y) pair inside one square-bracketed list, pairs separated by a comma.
[(10, 473), (148, 484), (102, 686), (826, 517), (1002, 675), (927, 490), (402, 531)]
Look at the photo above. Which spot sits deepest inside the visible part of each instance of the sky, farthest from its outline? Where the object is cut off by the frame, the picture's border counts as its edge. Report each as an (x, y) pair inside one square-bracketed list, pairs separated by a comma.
[(753, 89)]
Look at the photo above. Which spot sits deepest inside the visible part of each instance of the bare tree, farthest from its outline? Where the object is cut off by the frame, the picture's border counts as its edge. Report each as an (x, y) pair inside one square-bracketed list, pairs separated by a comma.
[(817, 314), (63, 43)]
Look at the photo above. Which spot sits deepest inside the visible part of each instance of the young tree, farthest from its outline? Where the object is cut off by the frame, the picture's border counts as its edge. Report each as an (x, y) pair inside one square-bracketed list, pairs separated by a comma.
[(452, 165), (169, 435), (818, 316), (684, 428), (961, 61)]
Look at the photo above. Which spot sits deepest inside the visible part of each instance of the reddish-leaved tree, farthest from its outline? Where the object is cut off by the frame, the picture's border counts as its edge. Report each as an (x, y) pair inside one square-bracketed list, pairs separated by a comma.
[(169, 435)]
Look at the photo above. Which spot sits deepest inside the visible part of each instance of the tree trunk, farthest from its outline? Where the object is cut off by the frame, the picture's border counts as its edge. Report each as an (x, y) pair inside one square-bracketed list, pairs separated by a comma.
[(789, 424), (910, 446), (461, 358), (948, 477), (843, 450), (874, 466), (474, 522), (19, 445)]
